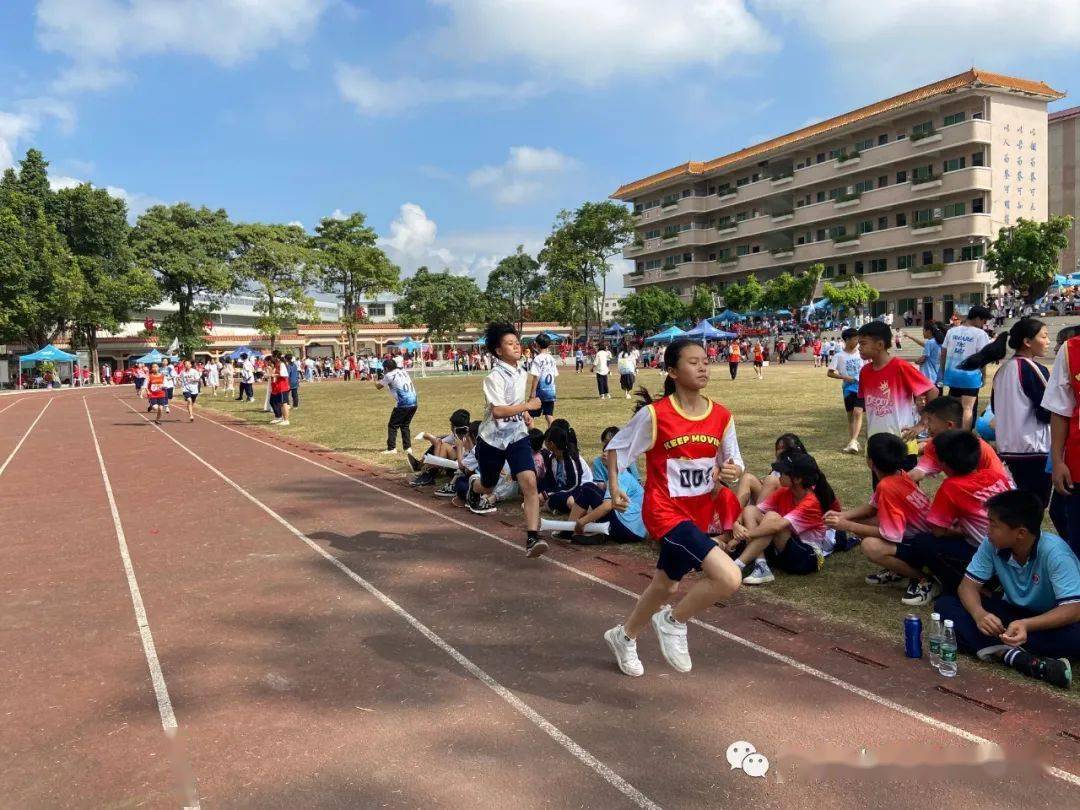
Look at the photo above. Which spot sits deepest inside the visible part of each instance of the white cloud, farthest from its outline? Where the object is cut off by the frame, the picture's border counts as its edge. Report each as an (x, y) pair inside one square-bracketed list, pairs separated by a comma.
[(374, 96), (137, 201), (860, 35), (339, 215), (100, 34), (591, 42), (20, 125), (297, 223), (522, 176), (414, 241)]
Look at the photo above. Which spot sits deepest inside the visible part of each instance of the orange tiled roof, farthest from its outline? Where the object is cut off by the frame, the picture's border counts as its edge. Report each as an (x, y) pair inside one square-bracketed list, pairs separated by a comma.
[(968, 79)]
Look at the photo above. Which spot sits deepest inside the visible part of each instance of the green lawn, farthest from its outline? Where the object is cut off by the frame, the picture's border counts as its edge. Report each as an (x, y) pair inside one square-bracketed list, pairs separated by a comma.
[(351, 418)]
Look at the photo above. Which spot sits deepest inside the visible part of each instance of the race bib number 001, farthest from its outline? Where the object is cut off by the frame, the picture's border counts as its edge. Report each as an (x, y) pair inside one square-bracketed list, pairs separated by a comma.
[(688, 477)]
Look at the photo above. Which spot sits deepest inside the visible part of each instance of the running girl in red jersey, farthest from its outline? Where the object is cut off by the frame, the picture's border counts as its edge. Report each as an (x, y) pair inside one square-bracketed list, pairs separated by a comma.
[(688, 442), (155, 391)]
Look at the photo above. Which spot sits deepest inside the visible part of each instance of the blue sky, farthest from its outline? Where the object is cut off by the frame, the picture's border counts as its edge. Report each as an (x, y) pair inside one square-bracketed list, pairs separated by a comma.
[(461, 127)]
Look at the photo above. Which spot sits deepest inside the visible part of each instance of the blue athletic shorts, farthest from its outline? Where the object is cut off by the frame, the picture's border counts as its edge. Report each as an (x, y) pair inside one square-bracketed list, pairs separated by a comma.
[(490, 460), (547, 408), (683, 549), (798, 557)]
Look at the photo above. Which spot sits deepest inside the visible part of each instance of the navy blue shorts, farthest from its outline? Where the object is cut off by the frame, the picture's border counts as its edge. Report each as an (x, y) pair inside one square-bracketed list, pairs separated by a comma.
[(587, 496), (683, 549), (490, 460), (547, 408), (461, 486), (191, 396), (798, 557), (852, 401)]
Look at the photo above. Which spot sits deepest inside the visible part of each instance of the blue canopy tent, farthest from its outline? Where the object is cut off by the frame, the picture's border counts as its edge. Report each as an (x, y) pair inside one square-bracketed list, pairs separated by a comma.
[(666, 336), (49, 354), (554, 337), (154, 356), (411, 345), (727, 317), (616, 329), (248, 350), (782, 313), (706, 331)]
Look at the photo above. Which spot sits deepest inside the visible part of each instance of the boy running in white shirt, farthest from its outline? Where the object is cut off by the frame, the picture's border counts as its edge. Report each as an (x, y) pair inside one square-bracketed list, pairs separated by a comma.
[(504, 434), (846, 366), (542, 374)]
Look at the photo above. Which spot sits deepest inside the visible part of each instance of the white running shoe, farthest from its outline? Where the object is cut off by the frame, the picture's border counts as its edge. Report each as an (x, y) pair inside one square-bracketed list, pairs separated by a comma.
[(760, 575), (389, 452), (275, 421), (625, 651), (672, 635), (852, 448), (284, 423)]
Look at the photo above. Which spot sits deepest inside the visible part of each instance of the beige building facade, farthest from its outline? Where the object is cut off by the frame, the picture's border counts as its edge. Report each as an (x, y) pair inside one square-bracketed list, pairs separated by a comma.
[(906, 193), (1064, 192)]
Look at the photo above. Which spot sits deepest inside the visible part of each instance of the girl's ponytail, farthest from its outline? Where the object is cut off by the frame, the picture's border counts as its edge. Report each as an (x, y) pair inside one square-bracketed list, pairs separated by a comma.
[(992, 352)]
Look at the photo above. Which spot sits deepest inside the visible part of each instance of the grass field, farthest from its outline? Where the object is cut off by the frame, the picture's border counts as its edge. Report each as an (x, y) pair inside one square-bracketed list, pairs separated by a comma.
[(351, 418)]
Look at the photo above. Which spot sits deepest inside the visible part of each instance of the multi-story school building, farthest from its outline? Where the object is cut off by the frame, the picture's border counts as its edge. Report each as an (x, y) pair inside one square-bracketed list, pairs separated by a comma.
[(907, 193), (1064, 132)]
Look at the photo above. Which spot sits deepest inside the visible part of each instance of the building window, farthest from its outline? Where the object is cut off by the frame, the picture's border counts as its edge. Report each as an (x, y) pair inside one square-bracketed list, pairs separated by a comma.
[(828, 272), (839, 230), (638, 208), (883, 181), (801, 240), (755, 249), (712, 257), (882, 223), (879, 265), (971, 252), (820, 157), (883, 139), (927, 257), (954, 164), (723, 188), (687, 192), (834, 193), (977, 159), (955, 118), (652, 264), (977, 205), (900, 136), (922, 172), (688, 257), (655, 232), (901, 220), (820, 237), (376, 310), (976, 116), (954, 210), (901, 176), (742, 216), (841, 269), (925, 215), (640, 266), (866, 226), (905, 262), (742, 181), (742, 250), (858, 268), (925, 128), (948, 255), (821, 196), (865, 144), (864, 185), (835, 153), (755, 177)]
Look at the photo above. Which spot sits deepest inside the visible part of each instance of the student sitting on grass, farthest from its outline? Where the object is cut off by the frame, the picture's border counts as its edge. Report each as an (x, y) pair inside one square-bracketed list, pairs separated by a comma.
[(466, 461), (752, 489), (958, 514), (440, 446), (566, 471), (507, 488), (939, 415), (1034, 627), (590, 503), (599, 465), (891, 524), (787, 528)]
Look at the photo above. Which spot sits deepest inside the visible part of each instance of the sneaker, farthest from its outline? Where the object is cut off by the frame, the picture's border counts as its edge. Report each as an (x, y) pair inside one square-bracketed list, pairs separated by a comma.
[(760, 574), (883, 577), (424, 479), (625, 651), (392, 452), (535, 546), (564, 536), (446, 490), (284, 423), (672, 635), (275, 421), (414, 462), (921, 593), (483, 505), (1056, 671), (852, 448)]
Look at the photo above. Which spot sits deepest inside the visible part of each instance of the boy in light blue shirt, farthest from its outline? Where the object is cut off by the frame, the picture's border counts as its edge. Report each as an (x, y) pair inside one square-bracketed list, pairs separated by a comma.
[(1035, 627)]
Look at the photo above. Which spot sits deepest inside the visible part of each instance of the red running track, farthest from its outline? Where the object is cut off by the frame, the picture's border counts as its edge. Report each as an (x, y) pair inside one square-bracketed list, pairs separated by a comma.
[(324, 640)]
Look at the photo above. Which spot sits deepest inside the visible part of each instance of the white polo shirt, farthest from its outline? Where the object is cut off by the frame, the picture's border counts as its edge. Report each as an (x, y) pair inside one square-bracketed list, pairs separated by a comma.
[(505, 385)]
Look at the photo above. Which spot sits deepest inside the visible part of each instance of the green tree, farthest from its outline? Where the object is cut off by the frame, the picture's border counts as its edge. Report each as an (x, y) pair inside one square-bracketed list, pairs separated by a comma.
[(188, 250), (40, 283), (95, 227), (1026, 256), (579, 248), (352, 266), (564, 302), (791, 292), (701, 303), (515, 285), (34, 178), (648, 308), (442, 303), (276, 261), (747, 294), (853, 294)]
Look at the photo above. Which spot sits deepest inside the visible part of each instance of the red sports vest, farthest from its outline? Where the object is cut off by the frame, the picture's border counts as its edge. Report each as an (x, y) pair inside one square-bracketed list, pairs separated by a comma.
[(1072, 439)]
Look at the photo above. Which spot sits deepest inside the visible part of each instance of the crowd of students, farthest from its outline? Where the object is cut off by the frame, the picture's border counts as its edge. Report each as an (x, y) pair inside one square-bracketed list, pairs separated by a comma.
[(975, 549)]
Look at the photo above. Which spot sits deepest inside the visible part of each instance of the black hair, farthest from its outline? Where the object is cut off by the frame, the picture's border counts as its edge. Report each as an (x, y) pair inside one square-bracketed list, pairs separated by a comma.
[(459, 418), (946, 408), (607, 435), (790, 442), (542, 340), (566, 441), (536, 439), (474, 429), (936, 330), (959, 450), (812, 478), (276, 353), (887, 452), (979, 313), (993, 352), (877, 330), (1017, 508), (243, 356), (672, 354), (289, 357), (389, 364), (1067, 333), (848, 334), (494, 334)]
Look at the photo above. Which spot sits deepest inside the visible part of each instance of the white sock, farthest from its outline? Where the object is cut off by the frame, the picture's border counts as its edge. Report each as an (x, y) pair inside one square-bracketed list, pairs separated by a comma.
[(741, 564)]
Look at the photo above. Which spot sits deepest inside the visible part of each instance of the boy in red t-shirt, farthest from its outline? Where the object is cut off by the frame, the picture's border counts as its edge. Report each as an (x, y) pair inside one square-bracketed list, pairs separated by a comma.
[(157, 399), (947, 413), (787, 528), (892, 522)]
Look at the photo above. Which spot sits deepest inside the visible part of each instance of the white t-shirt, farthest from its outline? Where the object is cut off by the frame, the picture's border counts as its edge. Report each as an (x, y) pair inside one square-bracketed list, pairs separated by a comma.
[(545, 370), (189, 379), (169, 373), (628, 362), (247, 371), (600, 362), (960, 343), (505, 385)]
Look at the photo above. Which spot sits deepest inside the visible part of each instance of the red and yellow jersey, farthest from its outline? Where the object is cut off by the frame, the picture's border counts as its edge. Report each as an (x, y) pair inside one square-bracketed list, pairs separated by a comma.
[(155, 385), (681, 454)]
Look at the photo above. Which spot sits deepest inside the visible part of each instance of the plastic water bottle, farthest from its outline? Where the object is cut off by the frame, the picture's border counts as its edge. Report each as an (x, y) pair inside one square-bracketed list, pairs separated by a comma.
[(935, 640), (948, 651)]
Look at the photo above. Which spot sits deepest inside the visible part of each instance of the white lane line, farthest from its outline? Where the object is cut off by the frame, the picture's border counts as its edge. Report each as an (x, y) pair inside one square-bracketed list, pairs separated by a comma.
[(12, 405), (582, 755), (23, 439), (157, 677), (926, 719)]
